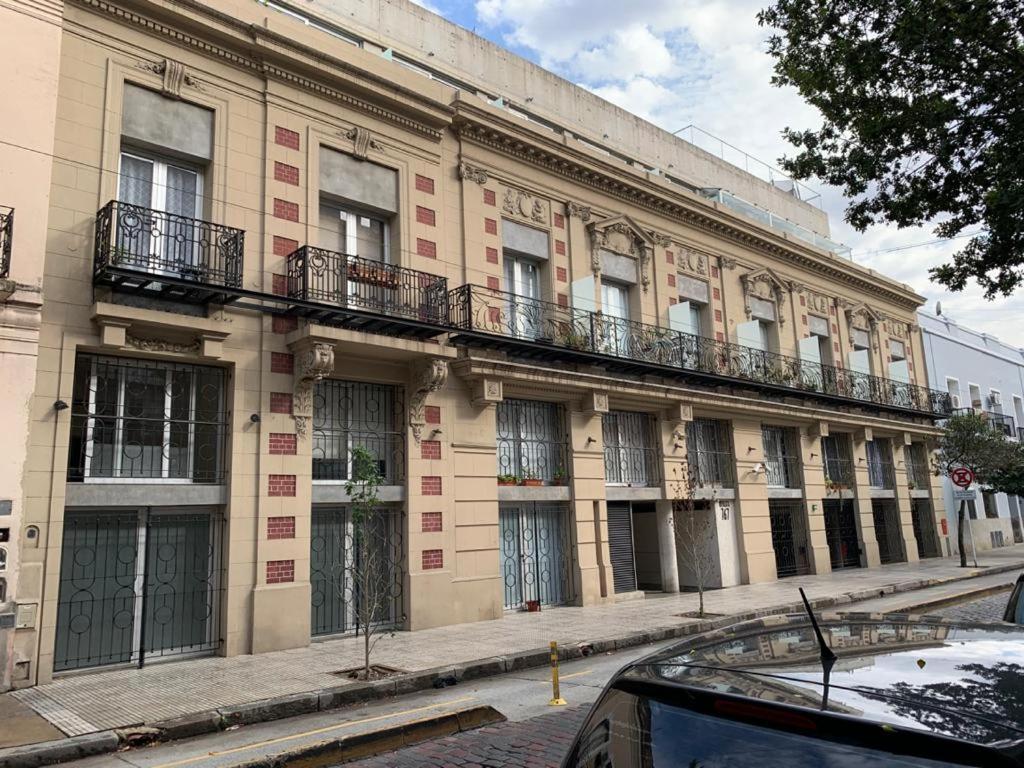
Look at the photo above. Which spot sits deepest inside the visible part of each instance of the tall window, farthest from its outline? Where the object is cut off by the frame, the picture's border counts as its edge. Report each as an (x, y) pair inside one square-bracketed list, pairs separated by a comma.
[(531, 440), (522, 281), (146, 420), (838, 459), (354, 233), (631, 454), (349, 414), (615, 309), (988, 498), (899, 368), (880, 469), (860, 356), (690, 314), (709, 452), (781, 457)]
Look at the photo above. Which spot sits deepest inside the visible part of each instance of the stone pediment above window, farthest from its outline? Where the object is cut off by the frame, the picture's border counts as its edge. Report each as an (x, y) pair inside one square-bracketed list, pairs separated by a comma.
[(763, 285), (620, 237), (859, 315)]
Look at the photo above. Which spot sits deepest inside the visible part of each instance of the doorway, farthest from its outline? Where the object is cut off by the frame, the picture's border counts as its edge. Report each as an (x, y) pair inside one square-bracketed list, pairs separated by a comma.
[(841, 533), (536, 553), (789, 538), (887, 531)]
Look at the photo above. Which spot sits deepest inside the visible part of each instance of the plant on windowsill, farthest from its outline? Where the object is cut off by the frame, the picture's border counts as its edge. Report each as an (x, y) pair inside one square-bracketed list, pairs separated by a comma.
[(911, 485), (834, 487), (531, 480), (559, 477), (508, 480)]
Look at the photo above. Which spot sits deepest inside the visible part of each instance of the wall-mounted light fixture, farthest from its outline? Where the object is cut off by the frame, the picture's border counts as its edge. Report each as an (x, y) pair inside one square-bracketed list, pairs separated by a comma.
[(590, 440), (760, 468), (814, 455), (60, 405), (255, 418), (435, 433)]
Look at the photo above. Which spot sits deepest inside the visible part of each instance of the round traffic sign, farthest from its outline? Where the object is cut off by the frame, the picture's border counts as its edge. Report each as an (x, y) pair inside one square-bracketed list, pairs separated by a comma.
[(962, 476)]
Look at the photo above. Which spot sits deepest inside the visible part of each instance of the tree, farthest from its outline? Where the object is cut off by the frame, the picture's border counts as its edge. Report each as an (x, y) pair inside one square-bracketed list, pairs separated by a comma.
[(970, 441), (692, 527), (369, 572), (923, 119)]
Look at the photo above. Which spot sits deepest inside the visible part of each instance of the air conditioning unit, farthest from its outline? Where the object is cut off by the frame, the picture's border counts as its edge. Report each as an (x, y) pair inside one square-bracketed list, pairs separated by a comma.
[(956, 400), (995, 399)]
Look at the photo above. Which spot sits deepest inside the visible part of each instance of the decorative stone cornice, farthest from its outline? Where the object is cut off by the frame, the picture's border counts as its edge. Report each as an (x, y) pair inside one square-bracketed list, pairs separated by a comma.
[(162, 345), (427, 376), (472, 173)]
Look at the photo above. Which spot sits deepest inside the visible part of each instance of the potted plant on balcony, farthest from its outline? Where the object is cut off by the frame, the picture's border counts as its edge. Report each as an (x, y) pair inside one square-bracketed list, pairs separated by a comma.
[(373, 274), (531, 480), (559, 477), (508, 480), (833, 486)]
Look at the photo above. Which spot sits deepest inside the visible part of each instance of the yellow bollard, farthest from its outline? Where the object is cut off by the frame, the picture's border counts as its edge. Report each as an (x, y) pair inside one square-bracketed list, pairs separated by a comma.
[(556, 695)]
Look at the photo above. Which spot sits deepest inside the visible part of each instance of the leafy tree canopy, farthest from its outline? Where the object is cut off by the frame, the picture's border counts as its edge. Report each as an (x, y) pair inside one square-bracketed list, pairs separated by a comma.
[(923, 107), (971, 441)]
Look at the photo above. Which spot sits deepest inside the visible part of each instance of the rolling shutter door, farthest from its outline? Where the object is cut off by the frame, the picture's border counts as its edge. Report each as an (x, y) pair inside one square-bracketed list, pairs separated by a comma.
[(620, 543)]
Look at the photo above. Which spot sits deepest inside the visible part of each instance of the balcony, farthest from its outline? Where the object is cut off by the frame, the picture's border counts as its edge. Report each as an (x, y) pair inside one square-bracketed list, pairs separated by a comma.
[(1020, 434), (144, 251), (998, 421), (6, 237), (348, 291), (545, 331)]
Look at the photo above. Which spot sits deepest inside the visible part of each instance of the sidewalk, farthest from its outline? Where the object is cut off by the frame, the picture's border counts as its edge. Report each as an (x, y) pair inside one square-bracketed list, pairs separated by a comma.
[(85, 704)]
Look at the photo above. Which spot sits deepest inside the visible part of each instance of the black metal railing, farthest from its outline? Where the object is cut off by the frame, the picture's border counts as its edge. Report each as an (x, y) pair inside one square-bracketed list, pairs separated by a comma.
[(6, 238), (483, 310), (881, 472), (1001, 422), (712, 468), (161, 247), (783, 472), (532, 442), (1020, 434), (351, 282), (631, 453), (839, 473)]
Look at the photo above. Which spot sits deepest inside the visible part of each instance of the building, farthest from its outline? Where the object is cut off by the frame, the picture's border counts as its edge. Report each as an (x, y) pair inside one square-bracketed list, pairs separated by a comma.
[(276, 233), (982, 375)]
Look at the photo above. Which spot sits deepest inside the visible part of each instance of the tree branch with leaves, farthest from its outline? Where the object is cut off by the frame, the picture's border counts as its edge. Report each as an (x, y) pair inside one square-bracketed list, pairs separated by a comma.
[(693, 528)]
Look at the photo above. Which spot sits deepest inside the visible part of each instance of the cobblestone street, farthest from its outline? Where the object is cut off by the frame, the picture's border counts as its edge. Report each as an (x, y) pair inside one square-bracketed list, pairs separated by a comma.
[(985, 609)]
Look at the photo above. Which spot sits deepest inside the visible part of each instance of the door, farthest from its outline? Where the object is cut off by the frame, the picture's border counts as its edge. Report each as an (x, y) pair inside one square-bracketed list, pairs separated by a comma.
[(620, 544), (615, 311), (841, 533), (924, 528), (522, 281), (887, 531), (536, 553), (810, 363), (789, 539), (364, 242)]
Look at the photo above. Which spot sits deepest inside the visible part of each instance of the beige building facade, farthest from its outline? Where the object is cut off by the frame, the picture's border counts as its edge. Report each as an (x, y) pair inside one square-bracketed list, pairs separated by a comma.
[(272, 235)]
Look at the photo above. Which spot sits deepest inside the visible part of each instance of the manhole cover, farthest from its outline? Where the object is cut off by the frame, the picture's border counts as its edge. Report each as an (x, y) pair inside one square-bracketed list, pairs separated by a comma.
[(377, 672)]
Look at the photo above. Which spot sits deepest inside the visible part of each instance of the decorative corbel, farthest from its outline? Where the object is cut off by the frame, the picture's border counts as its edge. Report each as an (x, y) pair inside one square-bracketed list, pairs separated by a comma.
[(660, 240), (429, 376), (362, 142), (595, 403), (727, 262), (472, 173), (581, 212), (174, 74), (487, 392), (645, 267), (313, 361)]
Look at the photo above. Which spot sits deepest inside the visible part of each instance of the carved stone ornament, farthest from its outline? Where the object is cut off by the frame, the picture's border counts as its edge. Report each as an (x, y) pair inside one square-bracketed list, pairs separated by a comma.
[(863, 318), (473, 173), (581, 212), (520, 203), (897, 329), (763, 284), (313, 361), (622, 235), (362, 142), (660, 240), (174, 74), (727, 262), (816, 302), (427, 377), (689, 260), (162, 346)]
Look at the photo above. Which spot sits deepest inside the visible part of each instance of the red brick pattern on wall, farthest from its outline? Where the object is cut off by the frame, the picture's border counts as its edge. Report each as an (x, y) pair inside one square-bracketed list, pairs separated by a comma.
[(289, 174), (494, 314), (430, 449), (284, 245), (433, 559), (561, 275), (280, 571), (719, 336), (714, 271), (279, 284), (493, 283), (285, 137), (560, 247), (281, 485), (671, 280), (284, 324), (282, 444), (489, 197), (492, 255), (670, 257), (281, 362), (280, 402), (563, 300), (425, 216), (491, 226), (559, 221), (803, 300), (426, 248), (432, 414), (424, 184), (430, 486), (280, 527), (286, 210), (717, 294), (431, 522), (718, 315)]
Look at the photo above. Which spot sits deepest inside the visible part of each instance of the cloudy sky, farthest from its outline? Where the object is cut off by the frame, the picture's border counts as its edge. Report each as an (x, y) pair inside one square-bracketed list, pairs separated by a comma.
[(702, 62)]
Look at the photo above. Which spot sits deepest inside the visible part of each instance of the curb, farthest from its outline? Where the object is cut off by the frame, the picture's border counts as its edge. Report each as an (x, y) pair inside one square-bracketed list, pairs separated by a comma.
[(958, 597), (265, 710)]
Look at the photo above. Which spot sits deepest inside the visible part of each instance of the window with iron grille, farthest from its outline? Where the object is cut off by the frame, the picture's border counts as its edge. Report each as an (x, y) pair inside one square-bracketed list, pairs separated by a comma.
[(532, 440), (880, 469), (350, 414), (147, 420), (838, 460), (709, 452), (631, 453), (916, 459), (782, 457)]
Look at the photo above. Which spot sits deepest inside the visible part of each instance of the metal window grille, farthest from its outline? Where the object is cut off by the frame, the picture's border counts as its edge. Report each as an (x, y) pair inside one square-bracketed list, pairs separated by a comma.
[(147, 420), (709, 453), (888, 531), (789, 537), (917, 466), (532, 441), (349, 414), (536, 553), (924, 528), (6, 239), (841, 533), (838, 460), (631, 452), (880, 469), (782, 457)]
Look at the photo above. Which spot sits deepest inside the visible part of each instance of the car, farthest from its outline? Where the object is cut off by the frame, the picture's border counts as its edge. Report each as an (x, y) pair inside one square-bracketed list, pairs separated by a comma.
[(1015, 607), (861, 690)]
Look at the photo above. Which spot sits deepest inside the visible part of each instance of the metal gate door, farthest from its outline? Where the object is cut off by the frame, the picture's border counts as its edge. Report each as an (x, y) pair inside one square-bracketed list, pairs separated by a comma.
[(887, 531), (924, 528), (536, 553), (620, 543), (789, 538), (841, 533), (335, 567), (135, 585)]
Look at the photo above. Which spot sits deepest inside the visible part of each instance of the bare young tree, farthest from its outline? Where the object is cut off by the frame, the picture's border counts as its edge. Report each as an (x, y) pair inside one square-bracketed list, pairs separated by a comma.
[(693, 528)]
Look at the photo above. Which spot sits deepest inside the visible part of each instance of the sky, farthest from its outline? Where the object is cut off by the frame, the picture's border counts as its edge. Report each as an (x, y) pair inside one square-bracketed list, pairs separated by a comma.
[(703, 63)]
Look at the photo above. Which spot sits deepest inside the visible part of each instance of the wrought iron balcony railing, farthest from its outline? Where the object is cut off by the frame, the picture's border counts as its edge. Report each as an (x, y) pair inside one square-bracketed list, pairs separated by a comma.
[(1020, 434), (368, 295), (881, 473), (175, 257), (6, 238), (839, 473), (711, 469), (998, 421), (550, 329), (783, 472)]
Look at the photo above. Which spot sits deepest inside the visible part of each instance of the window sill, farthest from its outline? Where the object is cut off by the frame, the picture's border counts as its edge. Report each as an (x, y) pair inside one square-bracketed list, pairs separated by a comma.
[(144, 494)]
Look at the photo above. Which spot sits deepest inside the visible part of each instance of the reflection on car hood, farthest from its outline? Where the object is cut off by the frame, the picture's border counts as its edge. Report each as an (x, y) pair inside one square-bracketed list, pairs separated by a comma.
[(935, 675)]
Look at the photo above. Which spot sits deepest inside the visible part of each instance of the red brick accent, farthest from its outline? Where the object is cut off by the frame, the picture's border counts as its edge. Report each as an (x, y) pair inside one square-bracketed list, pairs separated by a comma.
[(432, 559), (491, 226), (714, 271), (489, 197), (280, 402), (430, 449), (719, 336), (430, 486), (560, 247), (279, 284), (563, 300), (835, 328), (424, 184), (284, 323), (835, 345), (426, 248), (803, 319), (282, 444), (425, 216), (718, 315), (803, 300), (671, 280), (284, 245), (831, 310), (561, 275), (432, 414), (492, 255), (289, 174), (559, 221), (717, 294), (286, 210), (282, 362), (494, 314), (670, 257), (280, 571), (431, 522), (280, 527), (281, 485), (671, 301), (493, 283), (286, 138)]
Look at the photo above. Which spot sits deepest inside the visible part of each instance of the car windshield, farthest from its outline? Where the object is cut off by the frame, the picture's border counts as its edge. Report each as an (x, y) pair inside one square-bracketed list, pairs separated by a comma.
[(632, 730)]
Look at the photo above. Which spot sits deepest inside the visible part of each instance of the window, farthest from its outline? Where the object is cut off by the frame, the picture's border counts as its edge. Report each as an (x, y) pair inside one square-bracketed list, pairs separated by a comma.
[(354, 233), (899, 369), (988, 499), (880, 469), (953, 387), (522, 281), (781, 457), (146, 420), (615, 309), (690, 314), (631, 454), (349, 415), (531, 440), (838, 460), (709, 452), (819, 327)]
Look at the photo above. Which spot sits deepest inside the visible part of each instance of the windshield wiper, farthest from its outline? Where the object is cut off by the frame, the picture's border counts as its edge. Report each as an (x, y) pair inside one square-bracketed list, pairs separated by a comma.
[(827, 655)]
